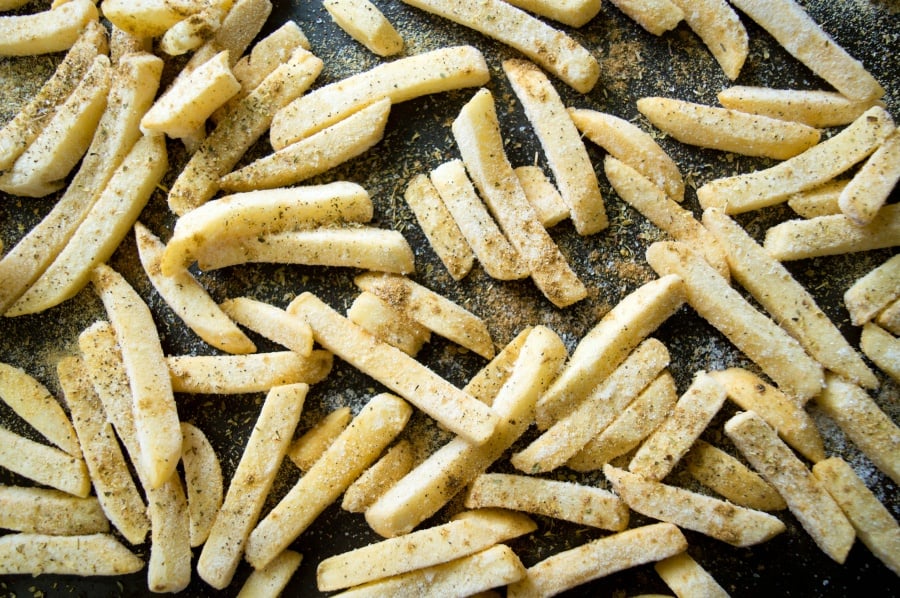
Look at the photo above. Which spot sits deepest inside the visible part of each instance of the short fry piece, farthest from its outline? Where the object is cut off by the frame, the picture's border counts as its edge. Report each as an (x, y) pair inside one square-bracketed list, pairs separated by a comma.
[(686, 577), (872, 184), (889, 318), (169, 568), (873, 292), (241, 374), (31, 401), (373, 482), (51, 512), (821, 200), (203, 481), (307, 449), (270, 581), (882, 348), (721, 30), (45, 32), (719, 471), (271, 322), (92, 554), (150, 18), (542, 194), (816, 108), (44, 464), (366, 24), (387, 324)]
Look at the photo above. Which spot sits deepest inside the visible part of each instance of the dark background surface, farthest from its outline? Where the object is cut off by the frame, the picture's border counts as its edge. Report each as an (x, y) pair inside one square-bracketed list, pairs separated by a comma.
[(633, 64)]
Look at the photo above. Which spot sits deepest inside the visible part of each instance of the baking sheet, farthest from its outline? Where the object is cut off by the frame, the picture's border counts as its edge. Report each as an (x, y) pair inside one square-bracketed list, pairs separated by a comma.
[(633, 64)]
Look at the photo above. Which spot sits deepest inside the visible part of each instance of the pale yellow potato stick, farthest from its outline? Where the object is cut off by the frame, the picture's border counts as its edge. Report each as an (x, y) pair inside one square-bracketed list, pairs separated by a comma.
[(542, 194), (430, 309), (864, 422), (318, 153), (244, 21), (806, 41), (312, 444), (786, 300), (608, 343), (719, 519), (474, 532), (647, 411), (148, 18), (191, 32), (566, 154), (498, 258), (873, 292), (871, 186), (478, 137), (44, 464), (374, 481), (574, 13), (267, 54), (832, 235), (387, 324), (570, 433), (370, 432), (805, 496), (440, 228), (656, 16), (668, 443), (687, 577), (90, 554), (889, 318), (271, 322), (431, 72), (728, 130), (155, 412), (486, 383), (599, 558), (47, 31), (188, 298), (813, 107), (31, 401), (721, 30), (821, 200), (819, 164), (366, 24), (778, 354), (783, 412), (202, 480), (241, 374), (875, 525), (630, 144), (726, 475), (651, 201), (455, 409), (569, 501), (250, 485), (882, 348), (270, 581), (169, 567), (122, 43), (45, 511), (431, 484), (110, 477)]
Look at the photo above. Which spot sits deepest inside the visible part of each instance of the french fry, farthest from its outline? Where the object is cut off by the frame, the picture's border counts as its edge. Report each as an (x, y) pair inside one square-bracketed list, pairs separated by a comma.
[(203, 482), (873, 292), (169, 567), (569, 501), (728, 130), (656, 16), (373, 482), (806, 498), (686, 577), (188, 299), (431, 484), (786, 300), (821, 200), (373, 429), (872, 184), (270, 581), (11, 4), (45, 32), (882, 348), (779, 355), (51, 512), (251, 483), (312, 444), (241, 374), (44, 464), (150, 18), (485, 384), (122, 43), (598, 558), (562, 145), (90, 554), (432, 310), (243, 22), (387, 324), (889, 318), (813, 107), (608, 343), (265, 57), (191, 32), (477, 133), (542, 194), (366, 24), (399, 372), (574, 13), (432, 72), (630, 144), (271, 322), (806, 41), (721, 30), (732, 524), (819, 164)]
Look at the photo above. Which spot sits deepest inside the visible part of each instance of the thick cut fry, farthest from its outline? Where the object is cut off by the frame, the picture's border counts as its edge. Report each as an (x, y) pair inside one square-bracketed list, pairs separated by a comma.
[(871, 186), (889, 318), (431, 484), (375, 481), (734, 525), (270, 581), (778, 354), (148, 18), (31, 401), (366, 24), (608, 343), (477, 133), (816, 108), (51, 512), (656, 16), (599, 558), (44, 464), (873, 292), (399, 372), (266, 56), (795, 30), (432, 72), (721, 30), (574, 13), (569, 501), (882, 348), (251, 483), (387, 324), (432, 310), (562, 145), (271, 322), (485, 384), (819, 164), (719, 471), (92, 554), (806, 498), (203, 481), (818, 201), (630, 144), (686, 577), (373, 429), (313, 443), (46, 32), (169, 567), (786, 300), (189, 299), (542, 194), (241, 374)]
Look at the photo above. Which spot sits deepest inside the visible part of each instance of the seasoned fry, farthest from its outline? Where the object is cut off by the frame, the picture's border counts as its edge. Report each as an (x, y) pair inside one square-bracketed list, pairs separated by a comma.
[(816, 108), (574, 13), (721, 30), (307, 449), (366, 24), (542, 194), (872, 184), (271, 322), (387, 324), (485, 384), (46, 32), (191, 32), (656, 16), (44, 464), (873, 292), (51, 512), (882, 348), (818, 201), (149, 18), (91, 554), (203, 482), (889, 318), (31, 401), (373, 482), (270, 581), (686, 577), (169, 567), (241, 374)]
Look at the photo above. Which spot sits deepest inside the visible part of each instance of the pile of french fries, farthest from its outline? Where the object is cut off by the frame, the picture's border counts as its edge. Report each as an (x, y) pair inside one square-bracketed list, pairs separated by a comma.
[(120, 482)]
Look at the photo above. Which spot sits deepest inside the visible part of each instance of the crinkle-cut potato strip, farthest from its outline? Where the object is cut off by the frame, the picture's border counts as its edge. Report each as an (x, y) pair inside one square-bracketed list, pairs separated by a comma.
[(814, 107), (821, 200), (687, 577), (271, 580), (241, 374), (46, 32), (169, 567), (189, 299), (786, 300), (598, 558), (873, 292), (817, 165), (542, 194), (445, 69), (365, 23), (203, 482), (882, 348), (574, 13), (432, 483), (34, 403), (52, 512), (387, 324), (805, 496), (381, 475), (271, 322), (312, 444), (89, 554), (656, 16), (871, 186), (721, 30), (44, 464)]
